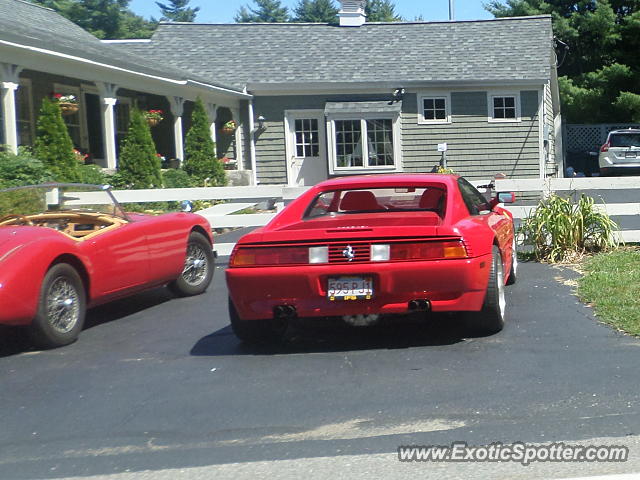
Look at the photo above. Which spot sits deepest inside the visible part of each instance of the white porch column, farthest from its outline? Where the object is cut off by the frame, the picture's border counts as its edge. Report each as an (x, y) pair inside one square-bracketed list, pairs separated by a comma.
[(9, 77), (252, 143), (177, 109), (109, 100), (212, 113), (235, 112)]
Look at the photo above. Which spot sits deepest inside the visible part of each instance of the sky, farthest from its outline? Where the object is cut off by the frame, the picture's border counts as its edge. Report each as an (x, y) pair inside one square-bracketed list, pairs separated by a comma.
[(223, 11)]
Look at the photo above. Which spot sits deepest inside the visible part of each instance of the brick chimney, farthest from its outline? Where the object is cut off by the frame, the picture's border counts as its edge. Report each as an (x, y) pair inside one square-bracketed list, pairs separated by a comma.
[(352, 13)]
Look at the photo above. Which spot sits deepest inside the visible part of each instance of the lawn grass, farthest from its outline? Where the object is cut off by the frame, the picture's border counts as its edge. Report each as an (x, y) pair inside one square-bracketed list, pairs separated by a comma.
[(611, 284)]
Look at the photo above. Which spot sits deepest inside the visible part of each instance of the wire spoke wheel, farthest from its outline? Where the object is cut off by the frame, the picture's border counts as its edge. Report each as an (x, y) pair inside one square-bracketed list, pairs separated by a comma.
[(196, 265), (63, 305), (197, 272)]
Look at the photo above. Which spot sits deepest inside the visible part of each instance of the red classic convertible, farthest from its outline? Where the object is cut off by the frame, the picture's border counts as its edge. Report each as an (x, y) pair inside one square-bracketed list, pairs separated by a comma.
[(66, 247), (362, 247)]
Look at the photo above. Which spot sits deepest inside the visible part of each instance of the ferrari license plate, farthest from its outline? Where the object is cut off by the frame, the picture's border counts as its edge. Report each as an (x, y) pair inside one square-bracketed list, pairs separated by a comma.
[(350, 288)]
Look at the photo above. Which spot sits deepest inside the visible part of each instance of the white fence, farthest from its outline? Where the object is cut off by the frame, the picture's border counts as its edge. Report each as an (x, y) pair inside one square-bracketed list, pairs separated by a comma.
[(239, 198)]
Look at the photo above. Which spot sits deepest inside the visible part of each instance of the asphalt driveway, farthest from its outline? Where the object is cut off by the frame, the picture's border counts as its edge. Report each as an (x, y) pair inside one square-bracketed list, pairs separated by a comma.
[(158, 383)]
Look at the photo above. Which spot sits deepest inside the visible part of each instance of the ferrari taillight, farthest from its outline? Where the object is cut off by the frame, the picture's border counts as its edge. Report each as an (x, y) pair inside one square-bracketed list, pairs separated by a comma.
[(250, 256), (428, 250)]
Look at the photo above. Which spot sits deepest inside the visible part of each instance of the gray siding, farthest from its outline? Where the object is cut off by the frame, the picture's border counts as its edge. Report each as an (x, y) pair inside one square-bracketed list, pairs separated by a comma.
[(270, 143), (477, 148)]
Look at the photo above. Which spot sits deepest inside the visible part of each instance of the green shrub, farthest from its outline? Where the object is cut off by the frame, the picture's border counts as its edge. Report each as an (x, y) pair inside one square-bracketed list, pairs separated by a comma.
[(22, 169), (92, 175), (560, 229), (53, 144), (199, 160), (139, 165), (177, 178)]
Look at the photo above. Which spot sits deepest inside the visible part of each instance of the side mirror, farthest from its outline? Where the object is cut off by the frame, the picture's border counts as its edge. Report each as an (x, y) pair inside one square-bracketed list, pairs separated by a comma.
[(506, 197)]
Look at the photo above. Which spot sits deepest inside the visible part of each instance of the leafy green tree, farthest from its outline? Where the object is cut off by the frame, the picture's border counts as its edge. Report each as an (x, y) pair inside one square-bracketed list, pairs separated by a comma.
[(600, 79), (381, 11), (139, 166), (178, 11), (266, 11), (199, 155), (315, 11), (106, 19), (53, 145)]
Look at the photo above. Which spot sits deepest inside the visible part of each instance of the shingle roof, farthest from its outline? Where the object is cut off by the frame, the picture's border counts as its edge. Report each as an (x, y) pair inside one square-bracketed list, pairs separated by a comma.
[(471, 51), (32, 25)]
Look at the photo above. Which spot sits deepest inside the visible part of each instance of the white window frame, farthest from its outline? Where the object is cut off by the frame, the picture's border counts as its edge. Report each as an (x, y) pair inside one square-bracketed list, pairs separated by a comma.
[(501, 94), (446, 96), (363, 117), (26, 84)]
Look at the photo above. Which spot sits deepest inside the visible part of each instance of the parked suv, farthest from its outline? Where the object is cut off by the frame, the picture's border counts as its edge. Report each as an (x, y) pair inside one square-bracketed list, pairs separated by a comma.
[(621, 152)]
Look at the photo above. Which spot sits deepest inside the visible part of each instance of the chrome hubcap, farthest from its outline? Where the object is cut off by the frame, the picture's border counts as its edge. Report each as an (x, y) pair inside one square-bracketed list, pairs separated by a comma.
[(196, 266), (63, 305)]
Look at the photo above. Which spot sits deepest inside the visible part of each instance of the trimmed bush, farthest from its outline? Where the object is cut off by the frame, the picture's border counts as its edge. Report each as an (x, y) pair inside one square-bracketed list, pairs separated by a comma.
[(53, 145), (139, 165), (199, 159), (177, 178), (22, 169)]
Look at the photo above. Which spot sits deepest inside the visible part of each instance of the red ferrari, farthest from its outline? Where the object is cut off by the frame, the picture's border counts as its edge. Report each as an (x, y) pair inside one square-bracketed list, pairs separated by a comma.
[(363, 247), (66, 247)]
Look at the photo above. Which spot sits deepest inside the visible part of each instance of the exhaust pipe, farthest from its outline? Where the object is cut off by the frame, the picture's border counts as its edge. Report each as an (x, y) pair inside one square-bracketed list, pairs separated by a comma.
[(284, 311), (419, 305)]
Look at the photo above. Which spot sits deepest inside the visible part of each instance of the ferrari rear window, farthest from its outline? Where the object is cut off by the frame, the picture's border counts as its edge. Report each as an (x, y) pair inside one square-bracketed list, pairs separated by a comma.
[(378, 200)]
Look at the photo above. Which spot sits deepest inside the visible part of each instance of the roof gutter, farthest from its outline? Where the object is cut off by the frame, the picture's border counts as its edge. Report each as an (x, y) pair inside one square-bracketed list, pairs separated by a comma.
[(330, 87), (85, 61)]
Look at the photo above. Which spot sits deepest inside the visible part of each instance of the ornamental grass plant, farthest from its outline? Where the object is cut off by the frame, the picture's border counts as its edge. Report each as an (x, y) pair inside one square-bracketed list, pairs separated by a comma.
[(560, 229)]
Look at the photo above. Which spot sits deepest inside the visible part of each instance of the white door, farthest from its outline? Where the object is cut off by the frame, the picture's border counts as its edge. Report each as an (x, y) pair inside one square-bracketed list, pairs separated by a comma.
[(306, 147)]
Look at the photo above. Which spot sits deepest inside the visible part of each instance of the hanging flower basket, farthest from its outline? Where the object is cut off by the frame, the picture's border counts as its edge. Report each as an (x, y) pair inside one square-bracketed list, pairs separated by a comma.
[(229, 127), (154, 117), (68, 103), (68, 108)]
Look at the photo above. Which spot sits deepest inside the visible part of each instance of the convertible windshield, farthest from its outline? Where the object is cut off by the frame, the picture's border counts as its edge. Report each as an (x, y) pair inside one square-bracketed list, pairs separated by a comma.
[(378, 200), (58, 197)]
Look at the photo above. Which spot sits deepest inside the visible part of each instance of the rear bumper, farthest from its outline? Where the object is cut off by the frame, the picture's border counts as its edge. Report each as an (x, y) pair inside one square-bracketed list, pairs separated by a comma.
[(450, 285)]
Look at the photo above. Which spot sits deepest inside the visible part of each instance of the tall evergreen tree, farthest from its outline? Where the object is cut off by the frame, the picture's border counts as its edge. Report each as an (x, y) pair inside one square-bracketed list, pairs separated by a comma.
[(381, 11), (266, 11), (199, 156), (178, 11), (600, 79), (139, 166), (315, 11), (53, 145), (107, 19)]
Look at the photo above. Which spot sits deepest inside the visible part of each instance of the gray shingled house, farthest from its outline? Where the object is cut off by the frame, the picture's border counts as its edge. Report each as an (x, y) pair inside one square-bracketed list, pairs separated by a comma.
[(361, 97), (42, 53), (312, 100)]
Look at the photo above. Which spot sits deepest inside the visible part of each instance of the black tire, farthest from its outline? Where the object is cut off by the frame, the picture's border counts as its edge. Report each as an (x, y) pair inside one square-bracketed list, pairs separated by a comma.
[(513, 272), (257, 332), (491, 318), (199, 264), (61, 308)]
